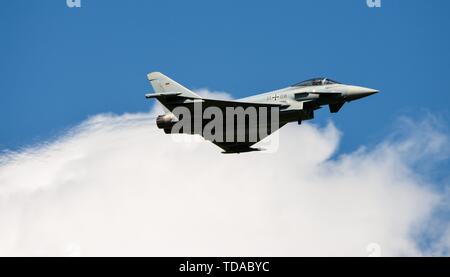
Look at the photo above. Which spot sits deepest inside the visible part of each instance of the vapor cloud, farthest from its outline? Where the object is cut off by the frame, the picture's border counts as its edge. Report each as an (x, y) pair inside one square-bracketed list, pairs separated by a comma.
[(116, 185)]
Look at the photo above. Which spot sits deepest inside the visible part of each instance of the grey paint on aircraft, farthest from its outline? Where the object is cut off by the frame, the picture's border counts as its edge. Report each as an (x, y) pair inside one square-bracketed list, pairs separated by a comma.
[(296, 103)]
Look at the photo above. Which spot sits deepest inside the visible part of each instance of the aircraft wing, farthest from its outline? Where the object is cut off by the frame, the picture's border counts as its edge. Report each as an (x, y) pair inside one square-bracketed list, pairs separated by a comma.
[(172, 100), (230, 147)]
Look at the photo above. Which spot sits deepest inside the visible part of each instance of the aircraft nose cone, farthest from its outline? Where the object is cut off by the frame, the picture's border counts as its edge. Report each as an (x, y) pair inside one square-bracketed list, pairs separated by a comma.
[(368, 91), (355, 92)]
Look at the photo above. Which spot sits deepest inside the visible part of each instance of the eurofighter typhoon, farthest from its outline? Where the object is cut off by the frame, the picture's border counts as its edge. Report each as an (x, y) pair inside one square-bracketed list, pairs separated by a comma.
[(236, 125)]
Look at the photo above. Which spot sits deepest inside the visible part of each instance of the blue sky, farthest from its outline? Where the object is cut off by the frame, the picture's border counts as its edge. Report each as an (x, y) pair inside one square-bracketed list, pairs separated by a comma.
[(60, 65)]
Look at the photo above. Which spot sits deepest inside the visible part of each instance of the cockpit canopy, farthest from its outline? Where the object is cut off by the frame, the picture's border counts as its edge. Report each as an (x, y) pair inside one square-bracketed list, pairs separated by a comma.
[(316, 82)]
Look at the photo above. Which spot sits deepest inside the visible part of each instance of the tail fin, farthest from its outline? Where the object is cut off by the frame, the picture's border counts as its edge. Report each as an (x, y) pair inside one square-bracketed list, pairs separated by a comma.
[(162, 84)]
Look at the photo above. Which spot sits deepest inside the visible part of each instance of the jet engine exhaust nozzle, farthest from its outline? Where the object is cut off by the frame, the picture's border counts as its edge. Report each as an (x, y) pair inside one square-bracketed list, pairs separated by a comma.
[(166, 121)]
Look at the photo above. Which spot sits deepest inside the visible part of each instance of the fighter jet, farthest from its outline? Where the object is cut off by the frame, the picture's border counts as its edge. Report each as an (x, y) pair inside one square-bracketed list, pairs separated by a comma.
[(294, 103)]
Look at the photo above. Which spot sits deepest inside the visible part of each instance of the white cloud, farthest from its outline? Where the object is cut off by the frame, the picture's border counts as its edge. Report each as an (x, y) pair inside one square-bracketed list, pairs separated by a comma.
[(116, 185), (206, 93)]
